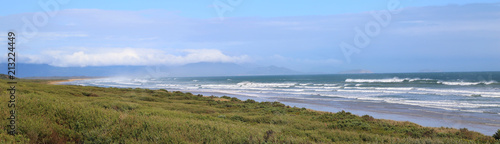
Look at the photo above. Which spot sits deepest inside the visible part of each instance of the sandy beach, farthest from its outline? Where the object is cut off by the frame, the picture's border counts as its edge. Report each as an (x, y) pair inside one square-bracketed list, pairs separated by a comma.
[(57, 82)]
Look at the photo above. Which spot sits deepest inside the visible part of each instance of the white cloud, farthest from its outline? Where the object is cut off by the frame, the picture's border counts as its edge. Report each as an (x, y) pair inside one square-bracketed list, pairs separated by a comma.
[(130, 56)]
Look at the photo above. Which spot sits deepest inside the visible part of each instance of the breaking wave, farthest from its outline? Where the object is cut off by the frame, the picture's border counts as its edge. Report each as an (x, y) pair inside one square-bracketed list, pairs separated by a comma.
[(419, 80)]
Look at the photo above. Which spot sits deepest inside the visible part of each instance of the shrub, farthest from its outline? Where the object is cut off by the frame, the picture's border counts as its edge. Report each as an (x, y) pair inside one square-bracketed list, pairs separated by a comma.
[(365, 126), (235, 99), (249, 101), (160, 95), (264, 104), (465, 133), (278, 104), (149, 91), (368, 118), (350, 124), (342, 115), (497, 134)]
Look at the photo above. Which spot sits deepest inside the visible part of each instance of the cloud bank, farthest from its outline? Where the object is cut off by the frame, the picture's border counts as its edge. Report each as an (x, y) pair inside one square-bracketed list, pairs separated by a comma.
[(130, 56)]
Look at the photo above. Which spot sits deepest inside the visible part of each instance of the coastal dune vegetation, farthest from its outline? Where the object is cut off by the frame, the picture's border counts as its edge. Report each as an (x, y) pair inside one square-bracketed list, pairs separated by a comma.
[(85, 114)]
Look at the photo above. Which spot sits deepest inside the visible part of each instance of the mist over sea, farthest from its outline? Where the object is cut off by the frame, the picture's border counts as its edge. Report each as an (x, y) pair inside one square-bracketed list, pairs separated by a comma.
[(454, 99)]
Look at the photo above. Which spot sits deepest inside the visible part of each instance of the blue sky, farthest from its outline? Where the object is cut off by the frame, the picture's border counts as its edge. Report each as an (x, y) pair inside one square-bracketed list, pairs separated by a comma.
[(421, 35), (247, 8)]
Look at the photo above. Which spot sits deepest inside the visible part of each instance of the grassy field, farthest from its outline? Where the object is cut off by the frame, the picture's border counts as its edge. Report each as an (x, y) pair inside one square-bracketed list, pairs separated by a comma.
[(77, 114)]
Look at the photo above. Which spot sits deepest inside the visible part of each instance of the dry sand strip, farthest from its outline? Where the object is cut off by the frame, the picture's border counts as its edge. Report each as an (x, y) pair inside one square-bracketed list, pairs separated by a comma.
[(56, 82)]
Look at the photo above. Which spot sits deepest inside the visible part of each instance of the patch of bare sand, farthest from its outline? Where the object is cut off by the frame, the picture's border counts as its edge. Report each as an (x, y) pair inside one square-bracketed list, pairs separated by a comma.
[(56, 82), (219, 99)]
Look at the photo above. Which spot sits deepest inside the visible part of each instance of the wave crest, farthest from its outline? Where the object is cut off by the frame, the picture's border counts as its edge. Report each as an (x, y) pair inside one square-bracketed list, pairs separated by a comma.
[(419, 80)]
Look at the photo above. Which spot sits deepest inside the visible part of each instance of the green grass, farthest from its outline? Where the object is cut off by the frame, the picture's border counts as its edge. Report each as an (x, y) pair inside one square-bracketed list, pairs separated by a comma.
[(78, 114)]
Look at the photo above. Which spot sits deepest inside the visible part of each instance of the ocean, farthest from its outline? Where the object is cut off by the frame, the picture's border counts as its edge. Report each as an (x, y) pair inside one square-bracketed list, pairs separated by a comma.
[(450, 99)]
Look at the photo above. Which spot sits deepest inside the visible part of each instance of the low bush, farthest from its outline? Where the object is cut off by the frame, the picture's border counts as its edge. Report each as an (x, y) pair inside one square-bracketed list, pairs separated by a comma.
[(497, 135), (249, 101)]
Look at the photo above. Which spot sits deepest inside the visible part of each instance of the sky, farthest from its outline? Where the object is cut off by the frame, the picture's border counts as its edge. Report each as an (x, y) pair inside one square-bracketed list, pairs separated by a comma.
[(313, 37)]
